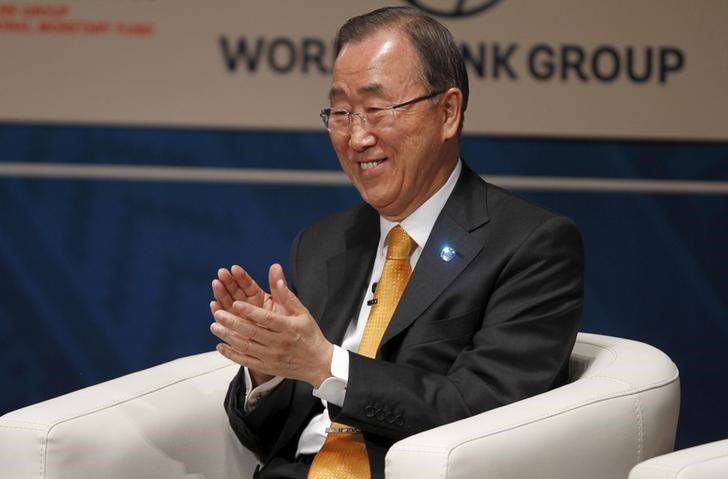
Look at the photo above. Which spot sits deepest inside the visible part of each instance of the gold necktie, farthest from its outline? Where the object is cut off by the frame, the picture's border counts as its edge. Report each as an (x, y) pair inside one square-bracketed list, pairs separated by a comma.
[(344, 453)]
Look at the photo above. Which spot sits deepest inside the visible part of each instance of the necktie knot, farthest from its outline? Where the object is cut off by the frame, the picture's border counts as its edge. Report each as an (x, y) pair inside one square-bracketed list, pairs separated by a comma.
[(399, 244)]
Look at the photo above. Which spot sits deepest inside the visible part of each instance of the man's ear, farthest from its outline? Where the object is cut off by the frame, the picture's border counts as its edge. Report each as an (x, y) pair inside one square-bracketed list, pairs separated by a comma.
[(452, 101)]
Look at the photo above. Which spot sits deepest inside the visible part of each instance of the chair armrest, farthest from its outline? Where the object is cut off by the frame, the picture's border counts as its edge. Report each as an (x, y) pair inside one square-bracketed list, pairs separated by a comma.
[(164, 422), (598, 426), (707, 461)]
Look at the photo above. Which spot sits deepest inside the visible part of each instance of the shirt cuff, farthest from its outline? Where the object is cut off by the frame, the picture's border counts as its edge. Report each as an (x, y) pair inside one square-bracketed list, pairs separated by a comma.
[(253, 396), (333, 389)]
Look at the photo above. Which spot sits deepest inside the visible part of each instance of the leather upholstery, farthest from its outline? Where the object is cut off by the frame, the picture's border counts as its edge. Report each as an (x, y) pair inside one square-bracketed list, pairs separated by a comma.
[(168, 422), (619, 409), (707, 461)]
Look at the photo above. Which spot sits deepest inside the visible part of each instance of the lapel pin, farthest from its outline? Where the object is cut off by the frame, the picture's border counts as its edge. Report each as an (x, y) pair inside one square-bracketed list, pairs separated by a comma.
[(447, 254)]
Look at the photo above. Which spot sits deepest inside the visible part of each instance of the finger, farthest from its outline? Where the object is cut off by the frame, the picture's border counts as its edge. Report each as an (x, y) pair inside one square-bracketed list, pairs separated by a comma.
[(214, 307), (236, 356), (247, 288), (231, 354), (235, 341), (221, 294), (275, 274), (280, 292), (241, 329), (250, 362), (228, 282), (263, 318), (229, 336), (230, 285)]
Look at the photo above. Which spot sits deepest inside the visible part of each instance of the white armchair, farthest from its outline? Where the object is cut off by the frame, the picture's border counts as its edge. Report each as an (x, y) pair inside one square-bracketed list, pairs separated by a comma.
[(706, 461), (164, 422), (620, 408), (168, 422)]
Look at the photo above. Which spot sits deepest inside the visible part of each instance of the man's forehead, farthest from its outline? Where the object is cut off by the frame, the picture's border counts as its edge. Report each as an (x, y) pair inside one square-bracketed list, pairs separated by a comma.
[(370, 65)]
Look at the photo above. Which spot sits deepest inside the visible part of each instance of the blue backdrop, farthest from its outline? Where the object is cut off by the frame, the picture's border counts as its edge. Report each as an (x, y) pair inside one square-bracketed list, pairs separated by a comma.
[(102, 278)]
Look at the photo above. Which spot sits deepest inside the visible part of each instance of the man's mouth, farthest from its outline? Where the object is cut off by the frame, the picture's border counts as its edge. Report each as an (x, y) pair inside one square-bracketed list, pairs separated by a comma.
[(369, 164)]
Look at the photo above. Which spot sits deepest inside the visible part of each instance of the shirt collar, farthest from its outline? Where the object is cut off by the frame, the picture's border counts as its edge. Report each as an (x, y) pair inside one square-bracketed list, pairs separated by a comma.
[(419, 223)]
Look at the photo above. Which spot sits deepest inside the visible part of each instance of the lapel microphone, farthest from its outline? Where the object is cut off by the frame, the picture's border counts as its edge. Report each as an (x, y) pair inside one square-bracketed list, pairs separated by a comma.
[(373, 300)]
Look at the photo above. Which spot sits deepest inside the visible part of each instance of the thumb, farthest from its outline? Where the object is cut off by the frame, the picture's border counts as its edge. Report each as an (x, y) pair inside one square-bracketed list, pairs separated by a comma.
[(280, 292)]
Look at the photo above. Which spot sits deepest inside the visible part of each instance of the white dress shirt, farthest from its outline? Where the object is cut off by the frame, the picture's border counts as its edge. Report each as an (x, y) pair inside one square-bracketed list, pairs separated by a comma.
[(418, 226)]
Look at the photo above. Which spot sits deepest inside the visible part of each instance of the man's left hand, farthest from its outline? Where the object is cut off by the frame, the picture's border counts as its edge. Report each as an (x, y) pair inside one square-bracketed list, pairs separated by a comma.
[(283, 341)]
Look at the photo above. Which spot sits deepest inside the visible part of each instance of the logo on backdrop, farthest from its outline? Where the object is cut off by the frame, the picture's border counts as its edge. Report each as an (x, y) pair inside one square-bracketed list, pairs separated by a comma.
[(492, 61), (459, 8)]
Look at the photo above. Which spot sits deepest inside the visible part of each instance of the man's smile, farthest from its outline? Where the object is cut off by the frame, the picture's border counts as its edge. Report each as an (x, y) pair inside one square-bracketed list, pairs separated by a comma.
[(368, 165)]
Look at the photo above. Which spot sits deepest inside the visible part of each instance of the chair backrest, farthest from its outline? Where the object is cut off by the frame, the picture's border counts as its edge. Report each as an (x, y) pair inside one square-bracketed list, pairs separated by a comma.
[(164, 422)]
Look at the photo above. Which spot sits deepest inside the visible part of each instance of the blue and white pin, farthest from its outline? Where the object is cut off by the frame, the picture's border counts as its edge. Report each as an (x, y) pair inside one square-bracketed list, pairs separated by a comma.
[(447, 253)]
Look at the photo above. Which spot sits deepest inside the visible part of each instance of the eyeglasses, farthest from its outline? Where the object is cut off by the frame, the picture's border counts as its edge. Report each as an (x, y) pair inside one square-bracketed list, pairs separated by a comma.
[(340, 121)]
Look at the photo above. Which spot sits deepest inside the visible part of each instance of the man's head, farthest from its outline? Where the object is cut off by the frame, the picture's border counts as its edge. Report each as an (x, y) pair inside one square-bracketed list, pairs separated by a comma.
[(397, 158)]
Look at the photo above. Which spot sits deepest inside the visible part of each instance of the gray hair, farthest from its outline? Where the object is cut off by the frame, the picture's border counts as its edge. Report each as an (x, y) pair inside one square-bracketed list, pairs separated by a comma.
[(442, 64)]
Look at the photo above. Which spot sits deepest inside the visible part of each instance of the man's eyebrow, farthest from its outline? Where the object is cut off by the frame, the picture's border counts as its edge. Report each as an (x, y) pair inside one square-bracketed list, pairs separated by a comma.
[(375, 88), (370, 88), (335, 91)]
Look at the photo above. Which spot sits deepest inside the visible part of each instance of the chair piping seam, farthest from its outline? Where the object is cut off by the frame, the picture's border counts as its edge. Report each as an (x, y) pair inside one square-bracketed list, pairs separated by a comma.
[(551, 414)]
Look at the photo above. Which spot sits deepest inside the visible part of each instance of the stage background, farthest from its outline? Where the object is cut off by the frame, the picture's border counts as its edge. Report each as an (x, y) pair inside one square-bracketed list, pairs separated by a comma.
[(135, 162)]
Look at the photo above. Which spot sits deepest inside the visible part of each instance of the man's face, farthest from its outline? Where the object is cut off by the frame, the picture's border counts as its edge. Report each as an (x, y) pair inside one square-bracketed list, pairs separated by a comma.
[(395, 167)]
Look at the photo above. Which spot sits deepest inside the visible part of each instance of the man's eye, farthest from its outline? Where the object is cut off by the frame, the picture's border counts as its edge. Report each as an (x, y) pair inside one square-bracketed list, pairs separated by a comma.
[(377, 113), (339, 113)]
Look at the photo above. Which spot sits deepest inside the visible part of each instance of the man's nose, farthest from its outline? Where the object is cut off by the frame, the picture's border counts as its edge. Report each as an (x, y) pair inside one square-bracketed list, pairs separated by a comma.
[(361, 137)]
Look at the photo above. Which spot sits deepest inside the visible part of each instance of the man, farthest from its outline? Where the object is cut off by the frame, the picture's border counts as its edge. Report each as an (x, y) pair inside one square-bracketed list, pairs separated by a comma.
[(489, 312)]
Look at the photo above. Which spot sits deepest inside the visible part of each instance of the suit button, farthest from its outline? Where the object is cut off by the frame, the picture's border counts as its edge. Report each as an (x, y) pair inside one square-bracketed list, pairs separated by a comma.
[(370, 410)]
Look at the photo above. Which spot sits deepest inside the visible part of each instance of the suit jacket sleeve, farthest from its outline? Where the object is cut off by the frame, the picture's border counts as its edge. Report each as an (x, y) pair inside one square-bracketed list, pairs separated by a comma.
[(273, 427)]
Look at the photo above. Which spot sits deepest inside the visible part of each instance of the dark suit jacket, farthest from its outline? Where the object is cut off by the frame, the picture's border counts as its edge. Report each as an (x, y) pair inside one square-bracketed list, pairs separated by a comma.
[(494, 325)]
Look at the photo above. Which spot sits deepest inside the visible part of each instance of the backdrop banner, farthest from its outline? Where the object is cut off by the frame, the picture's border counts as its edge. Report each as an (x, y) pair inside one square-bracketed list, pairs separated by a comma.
[(653, 69)]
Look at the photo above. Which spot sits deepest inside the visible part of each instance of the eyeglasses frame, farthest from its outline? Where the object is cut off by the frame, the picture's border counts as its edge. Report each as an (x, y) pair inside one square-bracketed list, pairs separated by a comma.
[(326, 112)]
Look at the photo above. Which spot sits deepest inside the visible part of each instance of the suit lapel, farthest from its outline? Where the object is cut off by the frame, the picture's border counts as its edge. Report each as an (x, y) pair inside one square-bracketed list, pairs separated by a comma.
[(465, 211), (347, 275)]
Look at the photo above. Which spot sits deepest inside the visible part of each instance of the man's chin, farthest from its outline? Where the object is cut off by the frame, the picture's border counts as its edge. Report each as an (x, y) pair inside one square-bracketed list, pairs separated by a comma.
[(377, 203)]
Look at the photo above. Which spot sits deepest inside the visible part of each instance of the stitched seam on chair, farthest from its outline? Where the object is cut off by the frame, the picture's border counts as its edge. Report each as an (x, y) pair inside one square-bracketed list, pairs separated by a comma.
[(558, 412), (42, 444), (43, 457), (611, 350), (640, 426), (21, 428), (139, 394), (658, 467), (633, 388), (44, 448)]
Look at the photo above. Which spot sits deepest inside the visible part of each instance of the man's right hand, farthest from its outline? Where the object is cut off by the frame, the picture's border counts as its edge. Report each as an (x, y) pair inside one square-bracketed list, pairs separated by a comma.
[(236, 284)]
